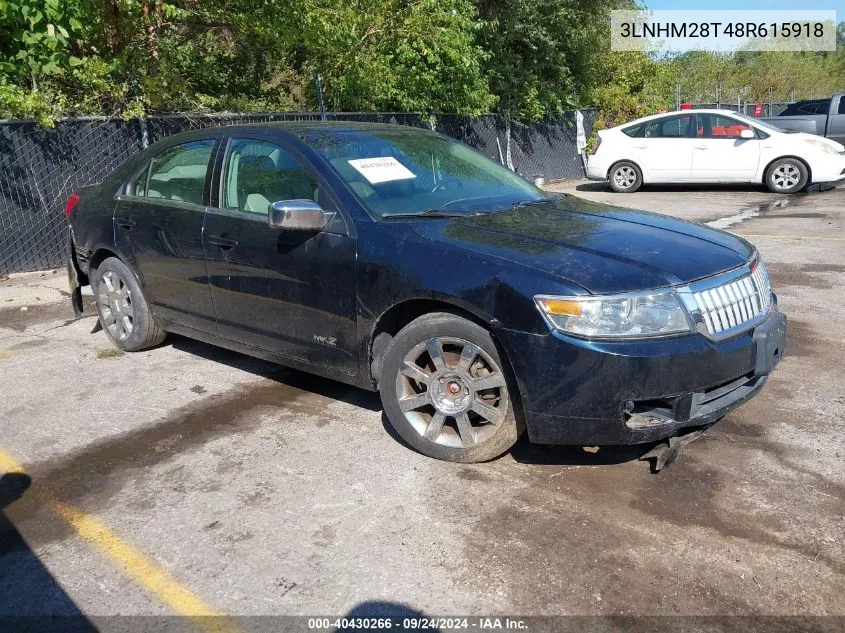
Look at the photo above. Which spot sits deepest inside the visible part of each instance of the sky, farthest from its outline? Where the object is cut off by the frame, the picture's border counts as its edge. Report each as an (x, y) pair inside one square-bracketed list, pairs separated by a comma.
[(768, 5)]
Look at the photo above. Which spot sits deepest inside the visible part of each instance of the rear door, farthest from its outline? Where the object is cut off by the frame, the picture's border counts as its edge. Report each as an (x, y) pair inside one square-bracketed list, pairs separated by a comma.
[(286, 291), (720, 154), (663, 148), (158, 227)]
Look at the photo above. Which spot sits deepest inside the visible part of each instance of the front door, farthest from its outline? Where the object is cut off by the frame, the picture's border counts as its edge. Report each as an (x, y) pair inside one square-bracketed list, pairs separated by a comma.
[(286, 291), (720, 154), (158, 225)]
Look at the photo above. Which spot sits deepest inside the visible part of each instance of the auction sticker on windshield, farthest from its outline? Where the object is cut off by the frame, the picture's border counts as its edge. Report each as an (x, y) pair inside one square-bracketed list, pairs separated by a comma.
[(381, 169)]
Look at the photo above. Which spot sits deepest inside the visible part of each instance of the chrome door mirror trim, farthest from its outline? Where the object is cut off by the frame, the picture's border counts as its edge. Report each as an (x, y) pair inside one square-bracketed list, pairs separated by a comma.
[(297, 215)]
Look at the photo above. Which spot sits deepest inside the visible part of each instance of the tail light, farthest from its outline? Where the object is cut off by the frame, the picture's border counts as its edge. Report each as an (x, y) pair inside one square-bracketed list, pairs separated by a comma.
[(596, 145), (71, 203)]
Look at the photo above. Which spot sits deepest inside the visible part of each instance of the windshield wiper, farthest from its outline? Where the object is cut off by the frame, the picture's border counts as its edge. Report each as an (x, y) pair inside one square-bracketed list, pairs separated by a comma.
[(425, 213)]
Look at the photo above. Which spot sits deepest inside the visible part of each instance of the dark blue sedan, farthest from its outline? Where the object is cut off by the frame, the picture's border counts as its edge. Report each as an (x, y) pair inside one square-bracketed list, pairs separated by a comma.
[(402, 261)]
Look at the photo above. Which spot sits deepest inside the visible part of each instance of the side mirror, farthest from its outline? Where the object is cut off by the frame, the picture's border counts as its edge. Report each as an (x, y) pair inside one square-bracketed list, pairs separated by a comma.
[(297, 215), (746, 133)]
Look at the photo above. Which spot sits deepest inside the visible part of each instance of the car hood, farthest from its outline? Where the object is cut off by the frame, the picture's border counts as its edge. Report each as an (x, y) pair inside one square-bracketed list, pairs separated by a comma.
[(804, 136), (601, 248)]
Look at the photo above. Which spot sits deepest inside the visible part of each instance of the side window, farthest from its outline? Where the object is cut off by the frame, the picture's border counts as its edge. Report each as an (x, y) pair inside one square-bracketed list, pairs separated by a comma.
[(815, 107), (178, 173), (672, 127), (841, 109), (632, 130), (718, 126), (138, 187), (258, 173)]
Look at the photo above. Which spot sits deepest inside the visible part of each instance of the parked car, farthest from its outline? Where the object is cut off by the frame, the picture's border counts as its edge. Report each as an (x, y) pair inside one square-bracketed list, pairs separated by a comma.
[(399, 260), (824, 117), (712, 146)]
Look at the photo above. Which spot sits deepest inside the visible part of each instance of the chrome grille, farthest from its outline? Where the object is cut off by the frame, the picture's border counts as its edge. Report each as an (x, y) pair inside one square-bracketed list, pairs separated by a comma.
[(734, 303)]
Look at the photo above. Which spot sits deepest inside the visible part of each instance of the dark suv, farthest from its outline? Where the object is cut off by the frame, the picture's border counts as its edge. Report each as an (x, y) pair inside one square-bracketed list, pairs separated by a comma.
[(402, 261)]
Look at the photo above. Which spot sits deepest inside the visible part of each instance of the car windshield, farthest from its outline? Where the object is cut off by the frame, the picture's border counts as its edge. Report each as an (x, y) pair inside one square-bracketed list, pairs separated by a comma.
[(759, 123), (413, 172)]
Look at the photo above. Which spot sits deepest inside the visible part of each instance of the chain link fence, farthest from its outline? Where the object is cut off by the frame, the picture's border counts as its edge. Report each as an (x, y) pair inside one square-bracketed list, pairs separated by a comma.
[(766, 110), (40, 168)]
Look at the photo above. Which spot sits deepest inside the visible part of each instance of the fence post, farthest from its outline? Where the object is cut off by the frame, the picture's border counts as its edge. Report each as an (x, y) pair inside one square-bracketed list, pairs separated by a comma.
[(508, 160), (145, 138), (320, 102)]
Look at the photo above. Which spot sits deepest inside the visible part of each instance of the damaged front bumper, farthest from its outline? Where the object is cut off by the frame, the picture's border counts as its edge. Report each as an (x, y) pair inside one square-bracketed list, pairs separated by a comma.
[(630, 392)]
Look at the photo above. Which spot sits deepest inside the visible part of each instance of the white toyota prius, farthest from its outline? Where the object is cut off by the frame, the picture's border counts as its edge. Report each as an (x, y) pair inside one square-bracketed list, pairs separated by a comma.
[(712, 146)]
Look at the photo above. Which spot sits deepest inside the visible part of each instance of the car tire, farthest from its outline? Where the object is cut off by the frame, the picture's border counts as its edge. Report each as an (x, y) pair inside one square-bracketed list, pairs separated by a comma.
[(474, 418), (625, 177), (122, 309), (787, 175)]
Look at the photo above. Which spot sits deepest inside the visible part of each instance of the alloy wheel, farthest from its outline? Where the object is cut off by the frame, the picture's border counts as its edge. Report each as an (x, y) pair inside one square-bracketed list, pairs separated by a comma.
[(625, 177), (786, 176), (452, 392), (115, 303)]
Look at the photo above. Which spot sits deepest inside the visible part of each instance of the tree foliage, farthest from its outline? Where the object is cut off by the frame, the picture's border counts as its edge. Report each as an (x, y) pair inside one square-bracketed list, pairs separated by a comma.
[(524, 58)]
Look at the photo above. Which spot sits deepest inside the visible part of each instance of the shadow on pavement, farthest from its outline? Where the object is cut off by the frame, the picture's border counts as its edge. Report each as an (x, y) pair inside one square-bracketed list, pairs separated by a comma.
[(527, 453), (291, 377), (678, 188), (30, 597)]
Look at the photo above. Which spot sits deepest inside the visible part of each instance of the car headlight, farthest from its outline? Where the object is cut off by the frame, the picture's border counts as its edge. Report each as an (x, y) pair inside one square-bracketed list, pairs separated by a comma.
[(828, 148), (616, 316)]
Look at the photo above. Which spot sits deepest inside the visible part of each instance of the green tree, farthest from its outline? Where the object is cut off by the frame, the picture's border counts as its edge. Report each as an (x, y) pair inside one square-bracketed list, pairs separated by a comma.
[(543, 53), (418, 56)]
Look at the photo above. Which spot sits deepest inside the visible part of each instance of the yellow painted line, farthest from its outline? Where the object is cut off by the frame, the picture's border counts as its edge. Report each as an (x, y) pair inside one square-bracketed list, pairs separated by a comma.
[(792, 237), (132, 562)]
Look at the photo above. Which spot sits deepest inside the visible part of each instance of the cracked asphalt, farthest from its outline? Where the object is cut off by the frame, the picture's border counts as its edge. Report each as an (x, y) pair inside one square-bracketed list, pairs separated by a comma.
[(262, 490)]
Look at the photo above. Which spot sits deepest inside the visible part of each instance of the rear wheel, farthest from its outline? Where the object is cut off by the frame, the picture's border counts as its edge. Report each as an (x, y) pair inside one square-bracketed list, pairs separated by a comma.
[(625, 177), (122, 309), (445, 390), (787, 175)]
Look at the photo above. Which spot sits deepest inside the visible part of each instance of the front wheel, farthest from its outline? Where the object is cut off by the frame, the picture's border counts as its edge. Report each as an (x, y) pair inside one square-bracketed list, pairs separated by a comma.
[(625, 177), (445, 390), (787, 175)]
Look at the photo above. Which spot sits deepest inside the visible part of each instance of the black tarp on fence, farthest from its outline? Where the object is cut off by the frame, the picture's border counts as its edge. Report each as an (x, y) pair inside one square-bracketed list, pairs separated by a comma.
[(40, 168)]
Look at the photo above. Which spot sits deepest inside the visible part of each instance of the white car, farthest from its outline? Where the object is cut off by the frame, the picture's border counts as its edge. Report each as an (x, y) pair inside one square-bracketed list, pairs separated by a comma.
[(717, 146)]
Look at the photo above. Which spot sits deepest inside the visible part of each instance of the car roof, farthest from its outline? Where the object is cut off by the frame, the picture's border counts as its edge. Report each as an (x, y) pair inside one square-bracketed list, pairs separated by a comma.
[(652, 117), (300, 128)]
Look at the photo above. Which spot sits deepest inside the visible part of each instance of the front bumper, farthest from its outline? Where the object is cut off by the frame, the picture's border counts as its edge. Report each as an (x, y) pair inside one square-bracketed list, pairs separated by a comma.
[(583, 392), (830, 169)]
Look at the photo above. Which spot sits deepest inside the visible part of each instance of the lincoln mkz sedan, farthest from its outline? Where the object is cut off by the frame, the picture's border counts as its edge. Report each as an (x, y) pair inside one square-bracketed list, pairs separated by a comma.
[(399, 260)]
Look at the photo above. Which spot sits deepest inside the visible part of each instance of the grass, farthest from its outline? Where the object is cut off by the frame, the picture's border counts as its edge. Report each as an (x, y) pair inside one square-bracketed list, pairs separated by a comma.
[(110, 352)]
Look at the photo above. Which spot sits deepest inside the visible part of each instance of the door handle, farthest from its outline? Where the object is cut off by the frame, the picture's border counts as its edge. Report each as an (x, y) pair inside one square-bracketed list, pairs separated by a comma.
[(125, 223), (701, 147), (641, 147), (221, 241)]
